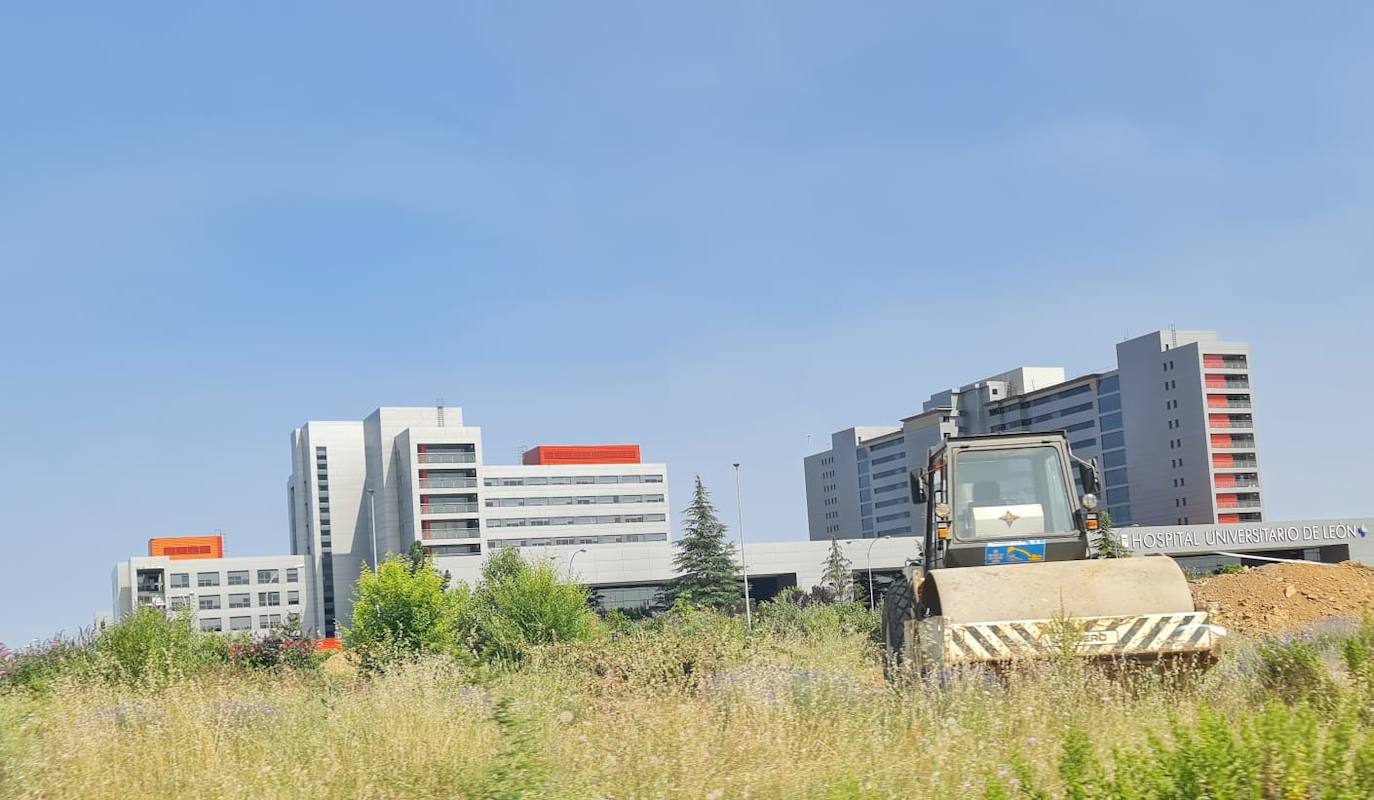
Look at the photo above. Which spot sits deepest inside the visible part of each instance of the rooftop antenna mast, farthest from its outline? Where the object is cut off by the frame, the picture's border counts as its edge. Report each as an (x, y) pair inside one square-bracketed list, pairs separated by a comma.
[(1173, 335), (440, 409)]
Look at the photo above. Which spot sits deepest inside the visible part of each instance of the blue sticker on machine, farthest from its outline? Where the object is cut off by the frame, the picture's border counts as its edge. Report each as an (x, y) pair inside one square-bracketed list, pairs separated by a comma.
[(1019, 552)]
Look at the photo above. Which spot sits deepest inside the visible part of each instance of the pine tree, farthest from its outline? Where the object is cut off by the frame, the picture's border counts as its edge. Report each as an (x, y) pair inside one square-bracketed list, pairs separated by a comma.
[(1106, 544), (838, 575), (708, 576)]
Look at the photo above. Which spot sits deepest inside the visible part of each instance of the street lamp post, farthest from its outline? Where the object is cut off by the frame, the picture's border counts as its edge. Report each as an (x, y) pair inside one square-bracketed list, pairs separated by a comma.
[(372, 523), (739, 510), (870, 570), (571, 559)]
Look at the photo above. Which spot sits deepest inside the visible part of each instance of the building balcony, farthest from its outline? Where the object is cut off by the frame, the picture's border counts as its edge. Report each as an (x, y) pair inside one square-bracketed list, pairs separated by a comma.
[(448, 483), (1232, 501), (447, 458), (1224, 421), (1226, 361), (1223, 401), (442, 534), (1234, 461), (1229, 441), (448, 508), (1228, 480), (1225, 382)]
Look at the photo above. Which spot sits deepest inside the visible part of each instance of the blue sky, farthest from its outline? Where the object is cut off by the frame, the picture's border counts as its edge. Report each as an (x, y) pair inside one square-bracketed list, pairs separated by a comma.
[(711, 230)]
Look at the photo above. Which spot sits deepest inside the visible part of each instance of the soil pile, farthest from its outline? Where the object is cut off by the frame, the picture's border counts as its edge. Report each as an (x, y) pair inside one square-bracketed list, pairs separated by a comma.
[(1273, 599)]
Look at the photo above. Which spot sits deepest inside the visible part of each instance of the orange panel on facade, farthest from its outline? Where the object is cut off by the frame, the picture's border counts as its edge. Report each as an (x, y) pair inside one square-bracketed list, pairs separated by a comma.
[(1226, 479), (1228, 519), (1223, 460), (1216, 381), (1221, 440), (1214, 362), (583, 454), (180, 548)]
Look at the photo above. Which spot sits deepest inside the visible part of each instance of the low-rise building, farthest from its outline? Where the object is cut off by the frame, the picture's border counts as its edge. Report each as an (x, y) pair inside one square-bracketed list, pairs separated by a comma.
[(250, 594)]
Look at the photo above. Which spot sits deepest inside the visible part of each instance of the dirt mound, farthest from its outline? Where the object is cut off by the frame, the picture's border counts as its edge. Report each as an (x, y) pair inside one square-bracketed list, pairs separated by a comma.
[(1262, 601)]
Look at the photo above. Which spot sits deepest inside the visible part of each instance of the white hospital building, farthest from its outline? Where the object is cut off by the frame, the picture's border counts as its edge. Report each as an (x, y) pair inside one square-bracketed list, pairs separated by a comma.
[(359, 490), (1172, 428)]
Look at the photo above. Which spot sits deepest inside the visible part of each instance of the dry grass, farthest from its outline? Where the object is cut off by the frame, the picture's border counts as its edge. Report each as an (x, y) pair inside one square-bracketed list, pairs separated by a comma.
[(778, 717)]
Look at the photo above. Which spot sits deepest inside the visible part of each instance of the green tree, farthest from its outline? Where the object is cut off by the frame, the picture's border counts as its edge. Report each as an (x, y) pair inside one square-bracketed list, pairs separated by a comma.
[(708, 576), (519, 605), (416, 557), (1106, 544), (837, 578), (399, 611)]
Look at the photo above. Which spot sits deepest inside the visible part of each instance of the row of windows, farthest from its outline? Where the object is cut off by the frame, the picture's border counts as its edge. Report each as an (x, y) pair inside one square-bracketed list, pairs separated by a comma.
[(605, 499), (572, 480), (610, 519), (888, 473), (886, 459), (899, 515), (1083, 444), (238, 577), (1040, 401), (209, 602), (894, 531), (241, 623), (884, 445), (552, 541), (1026, 423), (891, 487), (889, 503)]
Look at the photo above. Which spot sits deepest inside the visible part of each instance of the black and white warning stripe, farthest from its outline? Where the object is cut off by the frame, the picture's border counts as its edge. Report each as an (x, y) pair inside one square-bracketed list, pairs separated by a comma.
[(1146, 634)]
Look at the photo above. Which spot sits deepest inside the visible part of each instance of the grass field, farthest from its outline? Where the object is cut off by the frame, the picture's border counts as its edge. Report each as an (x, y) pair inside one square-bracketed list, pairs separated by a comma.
[(694, 708)]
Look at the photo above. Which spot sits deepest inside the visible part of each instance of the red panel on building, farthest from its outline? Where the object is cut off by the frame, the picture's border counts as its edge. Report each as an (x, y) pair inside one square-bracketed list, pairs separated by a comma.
[(1221, 440), (184, 547), (583, 454), (1213, 361), (1223, 460), (1228, 519), (1226, 480)]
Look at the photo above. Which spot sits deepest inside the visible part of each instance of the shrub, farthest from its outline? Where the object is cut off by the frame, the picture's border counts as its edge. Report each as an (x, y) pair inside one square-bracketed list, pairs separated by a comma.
[(401, 611), (1293, 672), (152, 645), (519, 605), (283, 648), (37, 667)]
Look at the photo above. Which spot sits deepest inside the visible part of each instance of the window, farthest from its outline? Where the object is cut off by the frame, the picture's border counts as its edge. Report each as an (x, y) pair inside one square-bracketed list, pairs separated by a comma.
[(211, 625), (1114, 440), (207, 579), (1115, 458), (1111, 402), (293, 598), (269, 576), (269, 620), (240, 623), (269, 598), (1115, 477), (180, 601), (1111, 422), (1121, 495), (990, 483), (180, 580), (209, 602), (244, 600), (293, 575), (238, 577), (1082, 444), (1109, 384)]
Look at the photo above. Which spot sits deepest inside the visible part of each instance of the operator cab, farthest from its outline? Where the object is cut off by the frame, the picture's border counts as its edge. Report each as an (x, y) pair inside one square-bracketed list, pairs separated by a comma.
[(1004, 499)]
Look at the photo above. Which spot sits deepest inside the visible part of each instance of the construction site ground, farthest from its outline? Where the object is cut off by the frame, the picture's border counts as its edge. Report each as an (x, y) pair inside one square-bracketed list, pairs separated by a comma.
[(1282, 598)]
